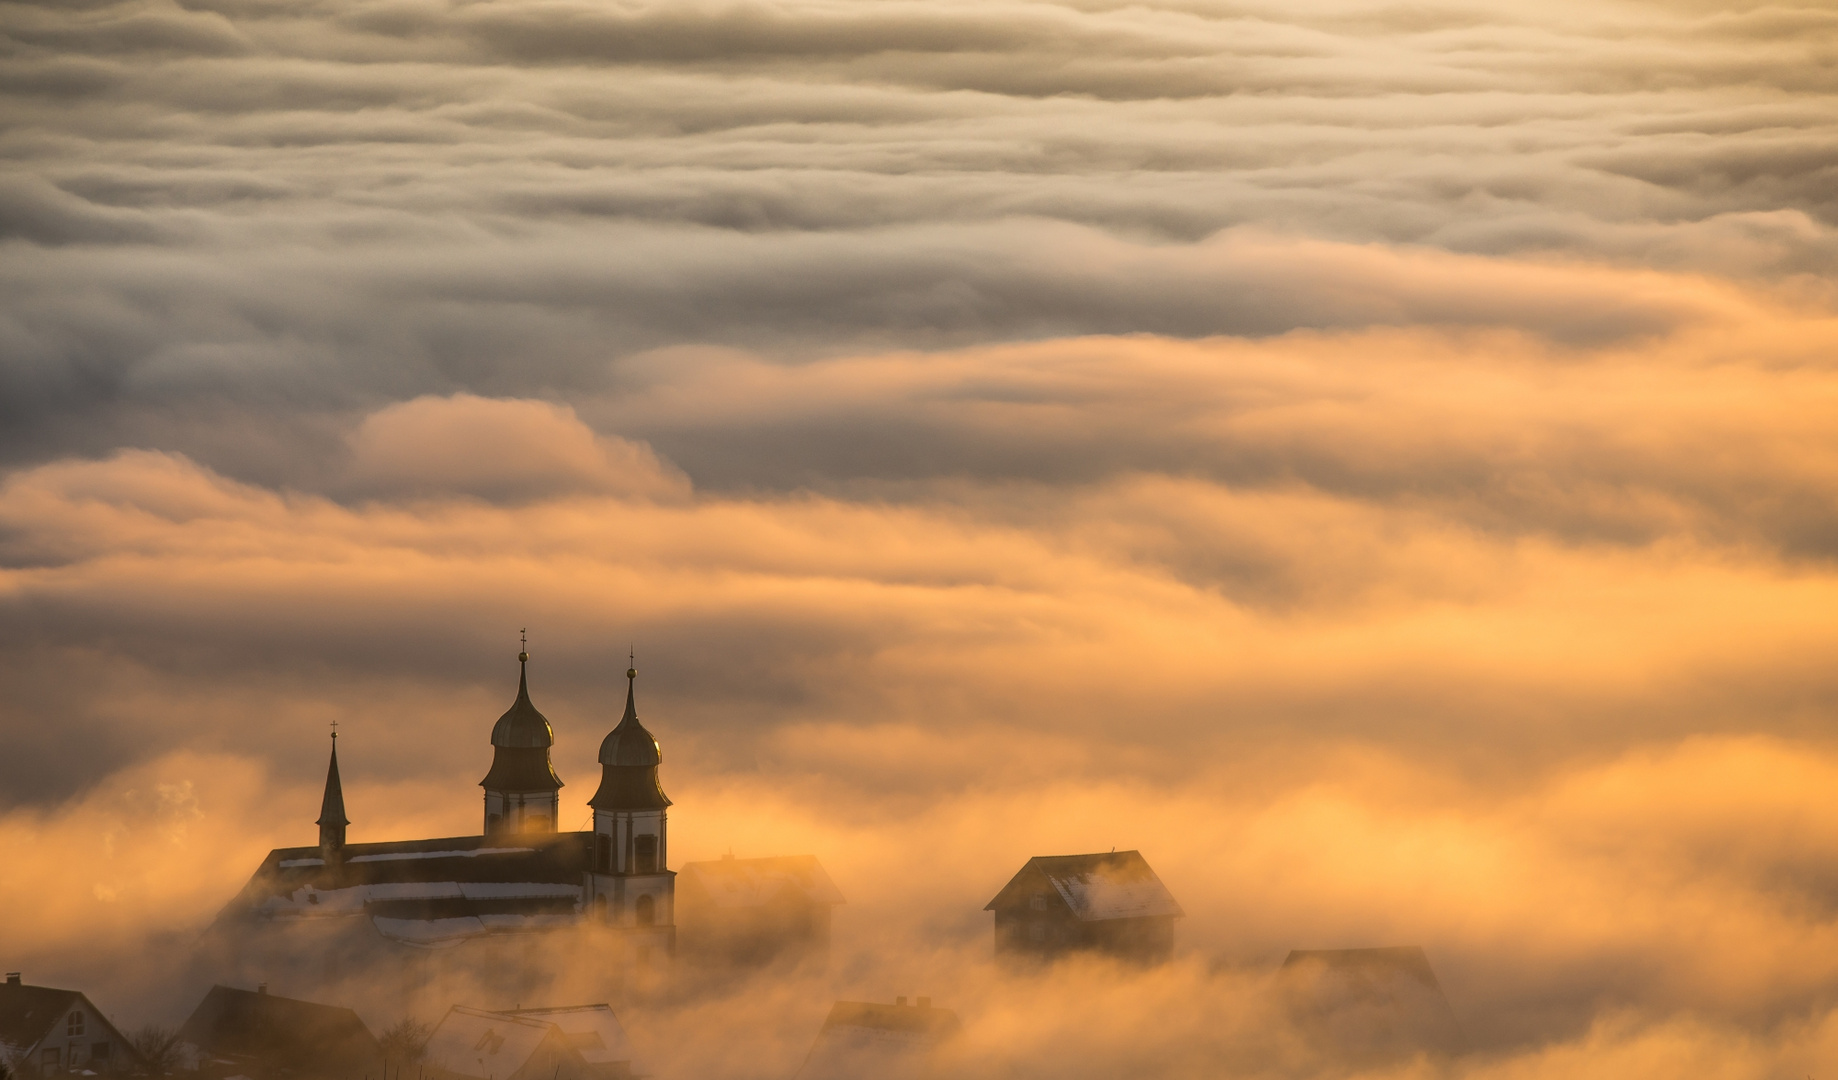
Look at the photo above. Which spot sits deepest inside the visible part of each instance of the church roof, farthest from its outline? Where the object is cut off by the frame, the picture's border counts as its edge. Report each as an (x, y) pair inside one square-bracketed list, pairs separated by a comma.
[(753, 883), (521, 769), (1109, 885), (427, 892), (629, 758), (332, 807), (629, 743), (521, 725), (521, 740)]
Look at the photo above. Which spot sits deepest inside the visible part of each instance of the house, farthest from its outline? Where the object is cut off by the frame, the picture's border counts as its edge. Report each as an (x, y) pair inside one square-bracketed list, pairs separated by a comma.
[(258, 1034), (44, 1032), (320, 914), (756, 911), (1110, 903), (580, 1042), (887, 1042), (1371, 1006)]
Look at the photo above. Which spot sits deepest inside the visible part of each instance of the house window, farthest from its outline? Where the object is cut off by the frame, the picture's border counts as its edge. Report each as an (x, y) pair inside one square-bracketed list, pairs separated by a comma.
[(644, 854), (489, 1042), (1040, 902), (50, 1059), (74, 1026), (646, 910)]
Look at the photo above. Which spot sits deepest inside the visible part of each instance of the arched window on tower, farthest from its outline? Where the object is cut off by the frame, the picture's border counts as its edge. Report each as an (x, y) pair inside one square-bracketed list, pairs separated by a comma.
[(644, 854), (646, 911), (603, 853), (494, 822)]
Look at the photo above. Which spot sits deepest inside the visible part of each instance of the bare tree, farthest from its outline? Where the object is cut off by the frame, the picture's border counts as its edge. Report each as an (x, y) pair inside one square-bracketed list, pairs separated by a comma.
[(158, 1048), (405, 1041)]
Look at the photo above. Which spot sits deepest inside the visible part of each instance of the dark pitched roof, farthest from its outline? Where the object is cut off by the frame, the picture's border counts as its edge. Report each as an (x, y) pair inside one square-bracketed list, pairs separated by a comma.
[(1108, 885), (332, 807), (557, 858), (27, 1012), (302, 1037)]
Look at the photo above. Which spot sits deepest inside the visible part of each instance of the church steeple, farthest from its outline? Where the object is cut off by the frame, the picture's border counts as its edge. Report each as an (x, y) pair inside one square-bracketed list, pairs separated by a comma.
[(634, 887), (332, 820), (521, 788)]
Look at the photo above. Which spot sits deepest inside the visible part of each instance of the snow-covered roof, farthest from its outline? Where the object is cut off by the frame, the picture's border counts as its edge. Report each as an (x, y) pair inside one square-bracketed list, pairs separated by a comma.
[(427, 892), (743, 883), (593, 1031), (473, 1042), (870, 1039), (1109, 885)]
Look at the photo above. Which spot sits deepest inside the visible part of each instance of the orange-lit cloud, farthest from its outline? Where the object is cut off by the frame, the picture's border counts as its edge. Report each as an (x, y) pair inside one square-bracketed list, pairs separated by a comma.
[(1378, 462)]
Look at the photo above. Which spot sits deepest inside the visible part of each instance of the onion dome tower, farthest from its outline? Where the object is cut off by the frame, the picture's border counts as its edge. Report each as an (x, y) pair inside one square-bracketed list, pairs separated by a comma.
[(633, 885), (522, 792)]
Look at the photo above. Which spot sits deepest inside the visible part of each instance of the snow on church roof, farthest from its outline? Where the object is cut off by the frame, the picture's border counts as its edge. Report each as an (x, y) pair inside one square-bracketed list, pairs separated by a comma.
[(1110, 885), (427, 892)]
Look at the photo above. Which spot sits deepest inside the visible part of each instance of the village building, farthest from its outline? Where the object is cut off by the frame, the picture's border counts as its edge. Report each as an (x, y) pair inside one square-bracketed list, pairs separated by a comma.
[(1110, 903), (888, 1042), (253, 1033), (579, 1042), (314, 916), (1368, 1006), (756, 912), (48, 1032)]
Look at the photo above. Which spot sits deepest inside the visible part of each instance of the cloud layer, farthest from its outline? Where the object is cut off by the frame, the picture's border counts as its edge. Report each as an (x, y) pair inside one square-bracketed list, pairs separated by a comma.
[(1377, 460)]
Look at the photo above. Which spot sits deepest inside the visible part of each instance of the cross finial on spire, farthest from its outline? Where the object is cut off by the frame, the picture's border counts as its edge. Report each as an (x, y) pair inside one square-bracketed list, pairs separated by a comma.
[(631, 656), (523, 637), (335, 730)]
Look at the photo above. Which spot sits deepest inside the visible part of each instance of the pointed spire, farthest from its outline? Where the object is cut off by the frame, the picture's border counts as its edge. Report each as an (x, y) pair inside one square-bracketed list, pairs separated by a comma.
[(332, 808), (631, 683)]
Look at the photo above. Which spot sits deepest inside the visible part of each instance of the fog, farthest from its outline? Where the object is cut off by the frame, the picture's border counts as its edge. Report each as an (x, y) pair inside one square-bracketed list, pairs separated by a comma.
[(1376, 460)]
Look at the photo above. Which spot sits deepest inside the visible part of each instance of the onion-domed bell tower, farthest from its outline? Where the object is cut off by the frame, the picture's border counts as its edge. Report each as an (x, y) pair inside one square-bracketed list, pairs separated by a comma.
[(633, 887), (522, 792)]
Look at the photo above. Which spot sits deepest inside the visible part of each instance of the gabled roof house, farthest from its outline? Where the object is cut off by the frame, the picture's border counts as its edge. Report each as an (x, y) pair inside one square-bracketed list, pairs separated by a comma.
[(1109, 903), (48, 1032)]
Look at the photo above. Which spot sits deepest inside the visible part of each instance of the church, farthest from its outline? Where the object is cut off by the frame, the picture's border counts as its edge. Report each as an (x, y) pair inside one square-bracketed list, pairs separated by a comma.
[(311, 917)]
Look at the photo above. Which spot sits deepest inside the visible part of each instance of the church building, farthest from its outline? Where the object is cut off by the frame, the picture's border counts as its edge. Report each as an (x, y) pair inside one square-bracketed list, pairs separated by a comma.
[(311, 916)]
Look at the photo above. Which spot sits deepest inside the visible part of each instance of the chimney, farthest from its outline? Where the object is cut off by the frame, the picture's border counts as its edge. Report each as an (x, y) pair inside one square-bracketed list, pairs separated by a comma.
[(899, 1001), (925, 1003), (262, 988), (12, 978)]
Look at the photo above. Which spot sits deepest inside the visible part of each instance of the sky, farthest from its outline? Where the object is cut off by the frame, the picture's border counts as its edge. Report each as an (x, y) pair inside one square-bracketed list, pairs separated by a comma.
[(1376, 459)]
